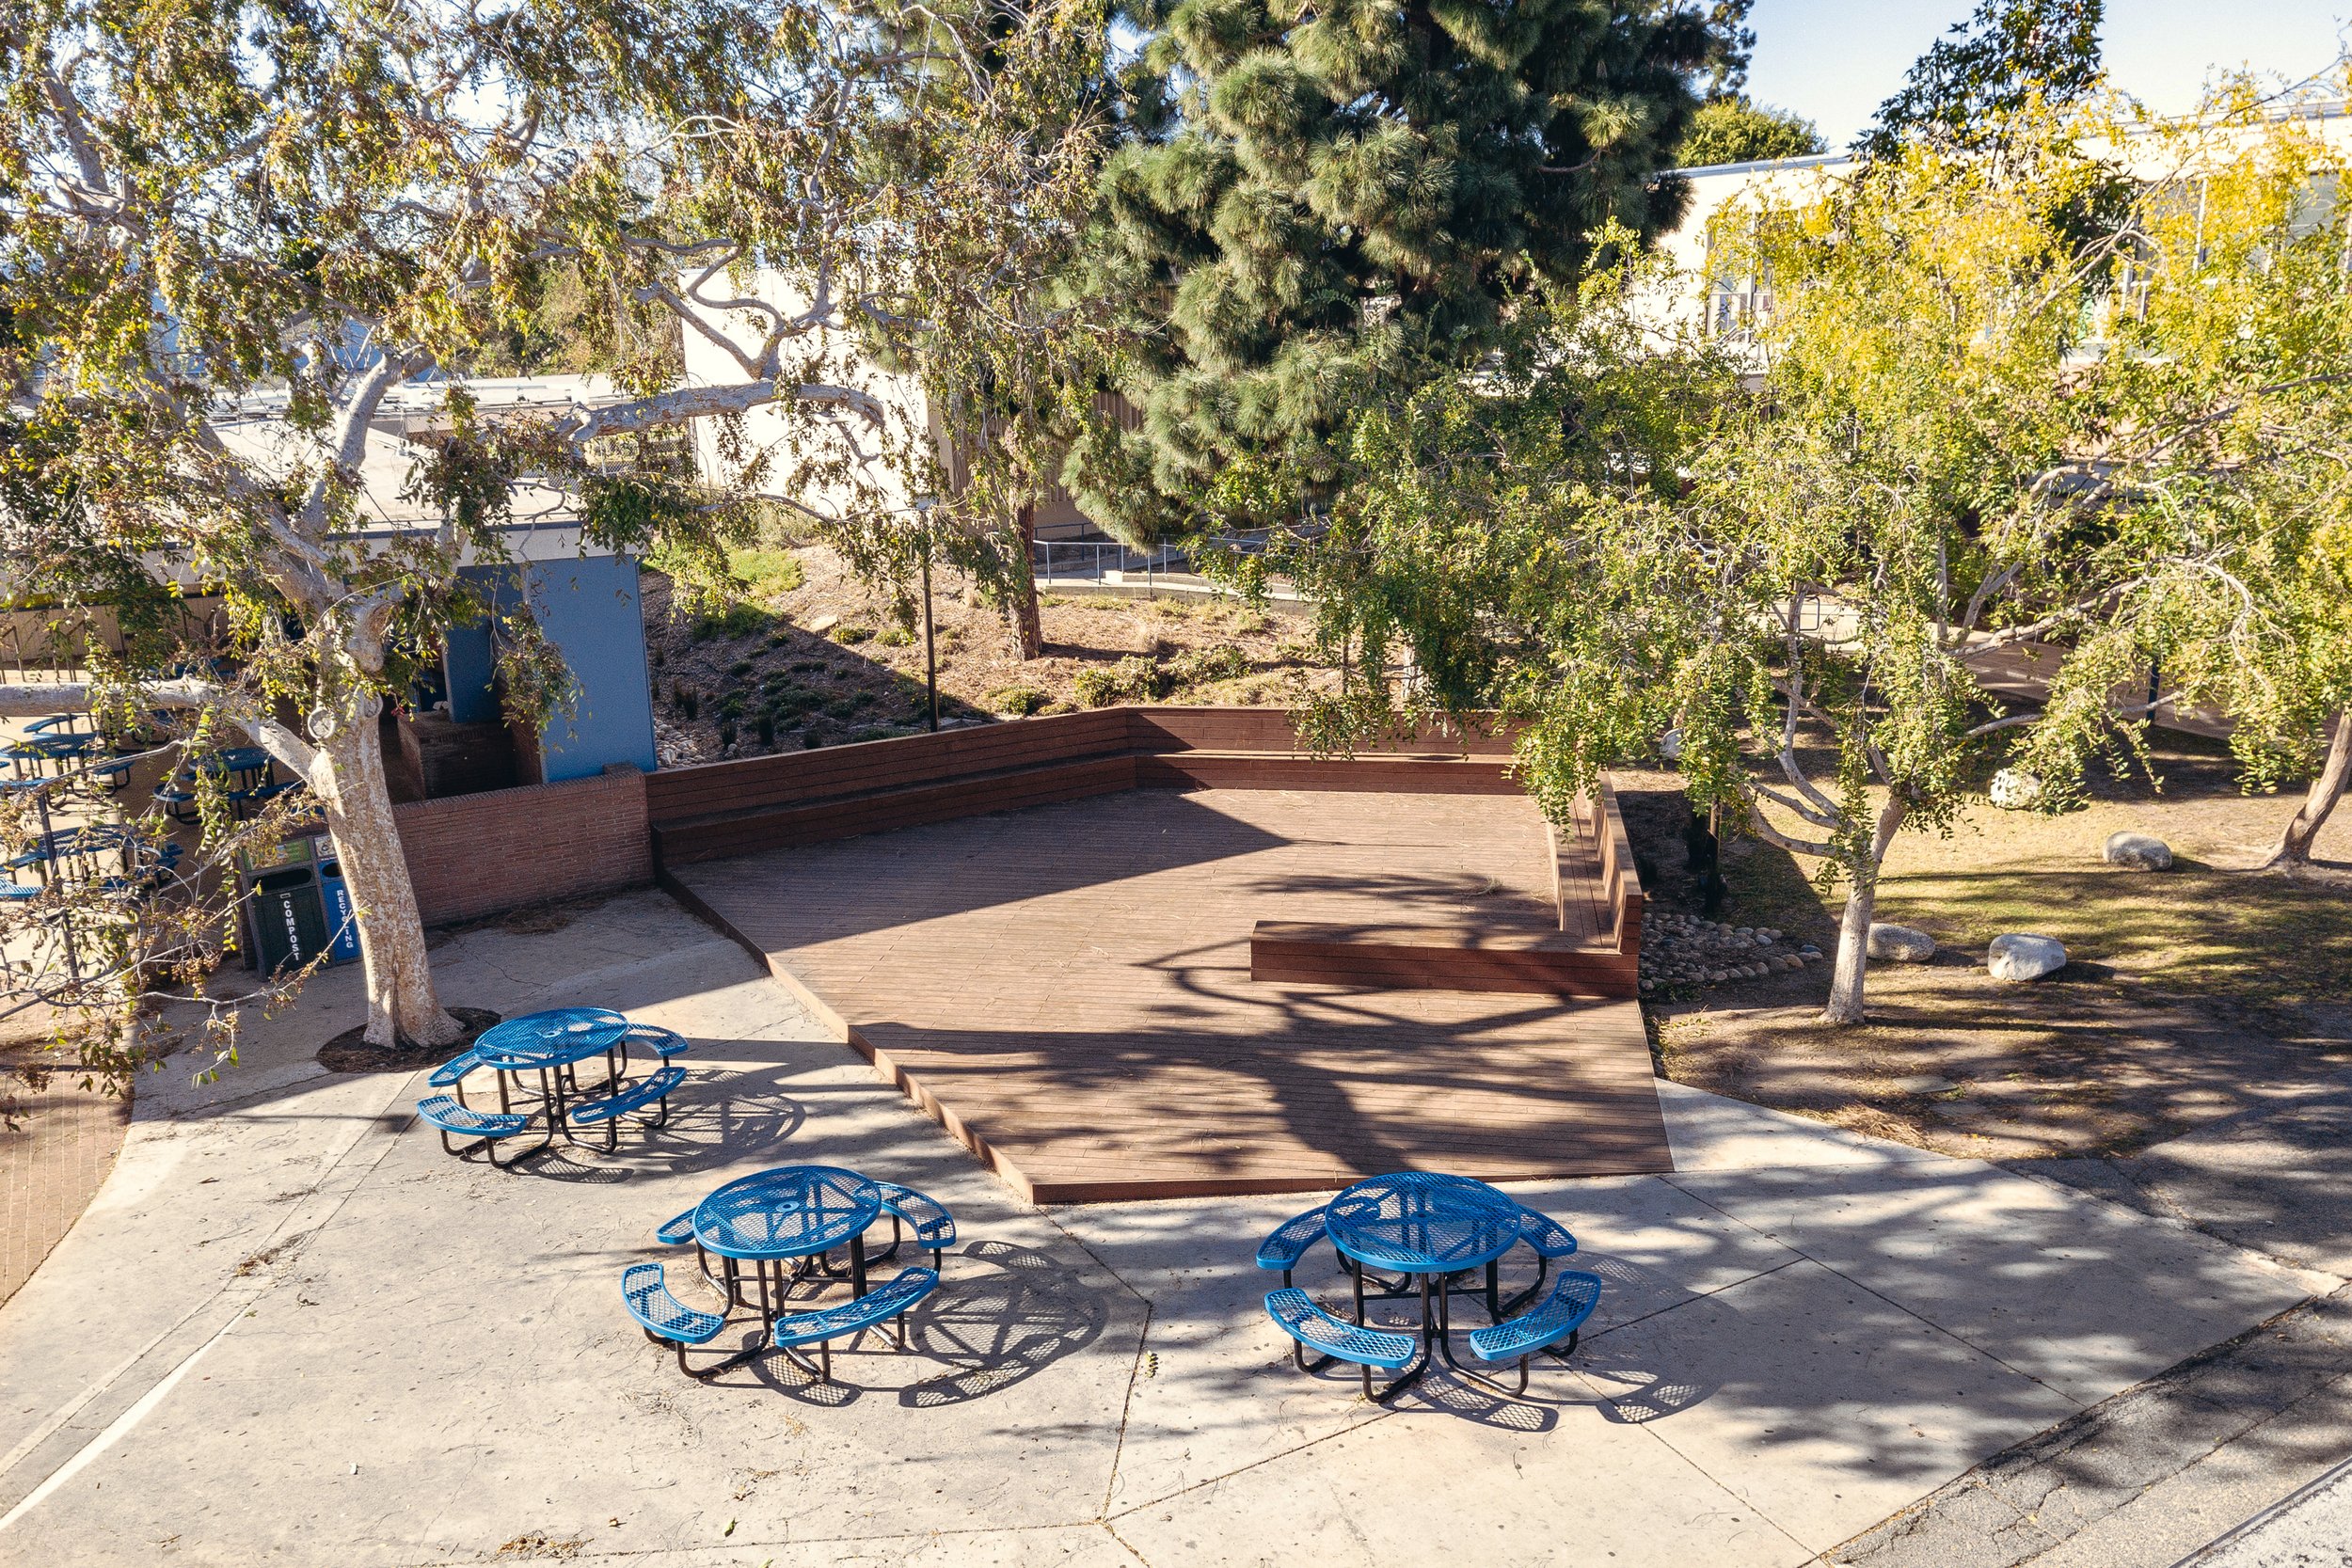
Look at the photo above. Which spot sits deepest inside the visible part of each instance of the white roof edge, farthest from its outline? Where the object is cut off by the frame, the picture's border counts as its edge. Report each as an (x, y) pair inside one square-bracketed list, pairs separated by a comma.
[(1814, 160), (2317, 108)]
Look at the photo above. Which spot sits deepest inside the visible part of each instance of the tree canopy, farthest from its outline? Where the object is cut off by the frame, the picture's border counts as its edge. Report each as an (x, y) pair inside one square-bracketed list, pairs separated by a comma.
[(1733, 130), (231, 212), (1970, 85), (1956, 423), (1306, 203)]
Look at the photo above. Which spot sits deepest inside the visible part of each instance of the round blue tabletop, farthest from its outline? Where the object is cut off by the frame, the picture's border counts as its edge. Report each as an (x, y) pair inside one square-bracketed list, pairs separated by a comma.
[(790, 1212), (1420, 1222), (551, 1038)]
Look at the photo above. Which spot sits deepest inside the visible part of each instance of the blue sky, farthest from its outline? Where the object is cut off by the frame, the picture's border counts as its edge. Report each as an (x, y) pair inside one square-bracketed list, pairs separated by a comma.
[(1833, 60)]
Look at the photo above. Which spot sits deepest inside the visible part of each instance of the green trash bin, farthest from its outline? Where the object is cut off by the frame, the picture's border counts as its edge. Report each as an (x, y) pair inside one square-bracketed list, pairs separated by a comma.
[(289, 924)]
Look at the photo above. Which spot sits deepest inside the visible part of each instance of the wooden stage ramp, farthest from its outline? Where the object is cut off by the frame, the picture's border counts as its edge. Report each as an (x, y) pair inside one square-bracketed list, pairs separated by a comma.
[(1066, 989)]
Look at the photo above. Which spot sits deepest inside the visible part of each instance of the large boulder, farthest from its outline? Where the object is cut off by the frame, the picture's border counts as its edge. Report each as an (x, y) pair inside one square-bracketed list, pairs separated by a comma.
[(2015, 789), (1902, 944), (2020, 957), (2139, 851)]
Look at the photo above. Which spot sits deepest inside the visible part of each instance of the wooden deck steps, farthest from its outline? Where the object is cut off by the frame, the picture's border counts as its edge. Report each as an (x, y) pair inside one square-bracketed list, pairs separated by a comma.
[(1068, 991)]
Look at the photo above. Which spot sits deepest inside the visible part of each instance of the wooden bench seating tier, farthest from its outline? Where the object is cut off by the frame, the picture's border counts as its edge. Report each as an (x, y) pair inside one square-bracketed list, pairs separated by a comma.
[(792, 800), (723, 809)]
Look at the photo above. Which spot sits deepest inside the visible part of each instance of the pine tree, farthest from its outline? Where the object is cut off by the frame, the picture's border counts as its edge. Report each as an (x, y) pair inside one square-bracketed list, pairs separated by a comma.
[(1311, 201)]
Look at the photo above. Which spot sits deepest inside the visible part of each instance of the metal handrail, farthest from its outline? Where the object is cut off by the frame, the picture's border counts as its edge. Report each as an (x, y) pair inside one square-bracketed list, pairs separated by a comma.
[(1091, 559)]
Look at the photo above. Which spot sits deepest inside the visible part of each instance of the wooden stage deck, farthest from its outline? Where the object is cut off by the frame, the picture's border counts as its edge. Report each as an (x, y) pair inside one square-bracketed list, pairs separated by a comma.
[(1067, 990)]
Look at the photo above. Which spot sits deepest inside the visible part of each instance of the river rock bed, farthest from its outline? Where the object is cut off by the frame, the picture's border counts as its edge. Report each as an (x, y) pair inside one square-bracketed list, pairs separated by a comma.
[(1686, 950)]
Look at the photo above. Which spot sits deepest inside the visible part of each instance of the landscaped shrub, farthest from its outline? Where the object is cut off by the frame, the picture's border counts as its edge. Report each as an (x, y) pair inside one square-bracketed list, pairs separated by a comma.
[(1015, 698), (731, 706), (736, 620), (1132, 679), (807, 666), (726, 733), (841, 707), (893, 637), (767, 573), (740, 668), (1207, 664), (847, 634), (689, 703), (766, 730)]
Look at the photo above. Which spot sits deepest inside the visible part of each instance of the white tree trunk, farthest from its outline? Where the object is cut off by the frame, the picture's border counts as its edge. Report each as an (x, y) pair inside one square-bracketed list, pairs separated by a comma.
[(2294, 845), (347, 779), (1848, 980)]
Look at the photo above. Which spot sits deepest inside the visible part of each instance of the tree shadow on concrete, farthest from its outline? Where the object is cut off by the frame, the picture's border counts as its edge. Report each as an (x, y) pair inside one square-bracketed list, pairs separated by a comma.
[(1001, 1315)]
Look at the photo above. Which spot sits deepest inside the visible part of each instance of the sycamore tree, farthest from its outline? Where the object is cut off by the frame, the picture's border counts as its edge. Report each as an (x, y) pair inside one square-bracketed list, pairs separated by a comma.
[(228, 208), (1307, 203)]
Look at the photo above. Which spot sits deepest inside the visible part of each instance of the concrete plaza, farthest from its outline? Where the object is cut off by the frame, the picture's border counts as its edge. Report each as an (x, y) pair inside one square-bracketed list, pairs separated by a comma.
[(290, 1329)]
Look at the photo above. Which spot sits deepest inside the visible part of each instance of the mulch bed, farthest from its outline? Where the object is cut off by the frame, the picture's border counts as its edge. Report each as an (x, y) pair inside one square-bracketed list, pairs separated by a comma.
[(350, 1051)]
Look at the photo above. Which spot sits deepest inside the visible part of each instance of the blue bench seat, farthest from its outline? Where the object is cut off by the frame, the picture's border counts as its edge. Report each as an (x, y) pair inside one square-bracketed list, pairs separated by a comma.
[(676, 1230), (451, 1073), (1559, 1316), (609, 1108), (1311, 1327), (449, 1114), (663, 1043), (1548, 1236), (663, 1316), (1290, 1241), (820, 1328), (934, 1226)]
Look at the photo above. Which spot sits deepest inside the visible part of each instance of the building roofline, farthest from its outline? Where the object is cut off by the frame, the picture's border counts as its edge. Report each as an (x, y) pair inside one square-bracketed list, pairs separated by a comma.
[(1814, 160)]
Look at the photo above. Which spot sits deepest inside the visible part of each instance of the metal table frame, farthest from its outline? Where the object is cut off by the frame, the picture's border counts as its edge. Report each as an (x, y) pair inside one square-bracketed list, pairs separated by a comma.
[(1491, 1218)]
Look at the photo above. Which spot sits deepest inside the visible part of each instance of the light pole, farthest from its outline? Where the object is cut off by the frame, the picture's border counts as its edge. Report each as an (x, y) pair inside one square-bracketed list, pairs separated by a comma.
[(930, 646)]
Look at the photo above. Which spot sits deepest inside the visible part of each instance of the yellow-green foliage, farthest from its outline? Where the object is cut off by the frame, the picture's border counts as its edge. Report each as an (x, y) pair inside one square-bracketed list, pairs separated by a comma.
[(766, 575)]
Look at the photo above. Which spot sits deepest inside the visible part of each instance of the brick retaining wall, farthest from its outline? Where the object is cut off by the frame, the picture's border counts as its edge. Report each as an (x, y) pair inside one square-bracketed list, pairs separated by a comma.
[(474, 855)]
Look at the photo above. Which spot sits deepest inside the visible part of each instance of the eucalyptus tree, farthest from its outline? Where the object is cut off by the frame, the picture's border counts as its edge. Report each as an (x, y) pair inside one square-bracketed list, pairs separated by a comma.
[(213, 208)]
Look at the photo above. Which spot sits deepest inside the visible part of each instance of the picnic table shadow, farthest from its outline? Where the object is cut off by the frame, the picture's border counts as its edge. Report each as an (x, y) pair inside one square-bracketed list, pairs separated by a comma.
[(1002, 1314), (716, 1119), (1618, 1385)]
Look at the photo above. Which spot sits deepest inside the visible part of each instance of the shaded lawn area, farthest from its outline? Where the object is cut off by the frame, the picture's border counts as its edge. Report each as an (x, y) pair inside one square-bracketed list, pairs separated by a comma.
[(2190, 994)]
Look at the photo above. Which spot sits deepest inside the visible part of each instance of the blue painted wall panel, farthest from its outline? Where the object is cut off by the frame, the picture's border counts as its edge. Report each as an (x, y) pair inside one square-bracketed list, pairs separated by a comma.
[(466, 660), (589, 610)]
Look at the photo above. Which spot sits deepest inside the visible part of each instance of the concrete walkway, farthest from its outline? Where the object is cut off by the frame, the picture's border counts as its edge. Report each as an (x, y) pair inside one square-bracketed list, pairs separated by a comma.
[(289, 1329)]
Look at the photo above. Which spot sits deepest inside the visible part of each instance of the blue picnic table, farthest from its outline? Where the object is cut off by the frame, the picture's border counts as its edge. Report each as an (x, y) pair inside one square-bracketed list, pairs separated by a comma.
[(783, 1222), (1428, 1230), (551, 1044)]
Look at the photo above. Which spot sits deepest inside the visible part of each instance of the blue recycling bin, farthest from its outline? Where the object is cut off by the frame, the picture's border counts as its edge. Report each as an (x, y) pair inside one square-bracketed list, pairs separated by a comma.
[(343, 932)]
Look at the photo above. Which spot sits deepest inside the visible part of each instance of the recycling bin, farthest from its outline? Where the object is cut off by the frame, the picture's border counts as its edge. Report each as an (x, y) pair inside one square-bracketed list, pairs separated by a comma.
[(342, 933)]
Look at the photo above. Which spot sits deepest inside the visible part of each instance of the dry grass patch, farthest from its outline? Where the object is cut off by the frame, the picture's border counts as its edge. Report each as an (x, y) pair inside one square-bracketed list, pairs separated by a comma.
[(2190, 993)]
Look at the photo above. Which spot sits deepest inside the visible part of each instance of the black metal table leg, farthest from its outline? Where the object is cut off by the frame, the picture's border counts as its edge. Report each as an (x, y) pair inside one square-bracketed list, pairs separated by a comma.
[(857, 1265)]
